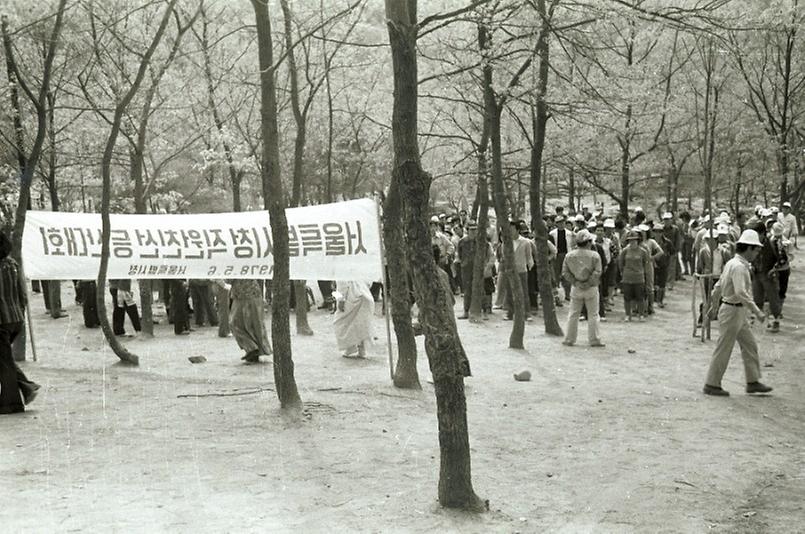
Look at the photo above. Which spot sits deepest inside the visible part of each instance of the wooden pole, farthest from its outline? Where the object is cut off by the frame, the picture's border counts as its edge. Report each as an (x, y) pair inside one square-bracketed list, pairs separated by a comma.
[(386, 303), (28, 319)]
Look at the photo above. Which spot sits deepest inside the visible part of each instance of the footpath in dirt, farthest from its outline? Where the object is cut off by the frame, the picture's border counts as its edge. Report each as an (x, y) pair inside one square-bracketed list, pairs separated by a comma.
[(619, 439)]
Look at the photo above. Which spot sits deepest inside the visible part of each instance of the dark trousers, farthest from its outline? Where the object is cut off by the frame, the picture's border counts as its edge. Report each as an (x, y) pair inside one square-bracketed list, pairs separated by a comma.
[(660, 280), (783, 281), (326, 288), (203, 308), (767, 288), (522, 279), (178, 307), (89, 306), (557, 270), (13, 381), (119, 315), (51, 293), (222, 303), (466, 277), (533, 289)]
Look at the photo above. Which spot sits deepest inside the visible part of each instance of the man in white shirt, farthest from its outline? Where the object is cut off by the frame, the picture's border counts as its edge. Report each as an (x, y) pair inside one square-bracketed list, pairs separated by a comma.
[(736, 302), (790, 226), (582, 268)]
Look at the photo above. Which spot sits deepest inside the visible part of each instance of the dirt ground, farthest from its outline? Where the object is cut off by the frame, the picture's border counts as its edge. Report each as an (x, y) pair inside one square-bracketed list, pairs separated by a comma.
[(619, 439)]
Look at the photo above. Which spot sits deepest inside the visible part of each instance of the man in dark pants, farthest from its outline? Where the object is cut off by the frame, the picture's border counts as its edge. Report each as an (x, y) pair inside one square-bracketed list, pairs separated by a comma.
[(15, 387), (203, 307), (561, 239), (465, 256), (123, 304), (89, 306), (326, 288), (178, 307), (765, 286)]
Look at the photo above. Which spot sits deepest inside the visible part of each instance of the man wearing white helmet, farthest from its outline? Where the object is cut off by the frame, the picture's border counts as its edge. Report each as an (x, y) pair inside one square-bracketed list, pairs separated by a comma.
[(440, 239), (704, 229), (735, 290), (789, 222)]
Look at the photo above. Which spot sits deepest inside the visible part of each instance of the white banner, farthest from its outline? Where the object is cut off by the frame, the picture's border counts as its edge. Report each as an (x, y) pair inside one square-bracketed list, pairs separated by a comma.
[(338, 241)]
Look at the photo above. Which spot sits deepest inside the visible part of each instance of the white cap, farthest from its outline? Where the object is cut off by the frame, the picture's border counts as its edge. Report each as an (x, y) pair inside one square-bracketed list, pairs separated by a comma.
[(777, 229), (638, 208), (592, 224), (609, 223), (658, 226), (765, 212), (723, 230), (579, 217), (786, 204), (583, 236), (643, 227), (435, 219), (667, 215), (750, 237)]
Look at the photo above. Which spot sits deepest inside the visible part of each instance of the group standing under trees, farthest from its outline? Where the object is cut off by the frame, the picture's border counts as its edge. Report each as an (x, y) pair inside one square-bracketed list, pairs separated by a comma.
[(610, 96)]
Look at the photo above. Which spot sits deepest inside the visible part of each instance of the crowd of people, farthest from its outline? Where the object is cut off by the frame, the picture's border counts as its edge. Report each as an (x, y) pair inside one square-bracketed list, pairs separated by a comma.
[(742, 264), (593, 258)]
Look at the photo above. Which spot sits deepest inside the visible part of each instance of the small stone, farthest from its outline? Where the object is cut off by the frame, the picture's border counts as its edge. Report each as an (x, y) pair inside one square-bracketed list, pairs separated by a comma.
[(197, 359), (631, 351), (85, 349), (523, 376)]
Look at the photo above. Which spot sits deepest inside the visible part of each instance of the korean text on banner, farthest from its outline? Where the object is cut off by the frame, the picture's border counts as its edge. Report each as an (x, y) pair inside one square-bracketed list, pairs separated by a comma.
[(339, 241)]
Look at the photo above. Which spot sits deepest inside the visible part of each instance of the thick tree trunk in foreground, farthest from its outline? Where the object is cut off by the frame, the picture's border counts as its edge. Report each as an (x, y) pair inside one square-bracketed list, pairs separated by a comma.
[(274, 198), (443, 345), (406, 375)]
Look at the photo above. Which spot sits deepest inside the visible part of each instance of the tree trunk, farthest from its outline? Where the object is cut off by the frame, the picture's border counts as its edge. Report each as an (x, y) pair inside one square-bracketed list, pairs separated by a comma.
[(481, 243), (442, 343), (406, 375), (274, 198), (476, 203), (626, 164), (300, 118), (235, 176), (784, 169), (539, 120), (106, 165), (492, 113), (571, 191), (140, 206), (28, 163)]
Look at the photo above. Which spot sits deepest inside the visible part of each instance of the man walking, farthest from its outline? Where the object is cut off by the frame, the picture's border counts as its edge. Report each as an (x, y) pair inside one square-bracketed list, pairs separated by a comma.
[(582, 269), (736, 301)]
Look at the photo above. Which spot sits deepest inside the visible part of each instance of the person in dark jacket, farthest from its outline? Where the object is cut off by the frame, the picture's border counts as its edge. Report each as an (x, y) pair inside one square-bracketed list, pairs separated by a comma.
[(765, 283), (16, 390)]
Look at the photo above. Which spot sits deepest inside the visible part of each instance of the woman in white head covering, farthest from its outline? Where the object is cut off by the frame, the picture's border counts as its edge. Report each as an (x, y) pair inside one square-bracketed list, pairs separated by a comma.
[(353, 320)]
